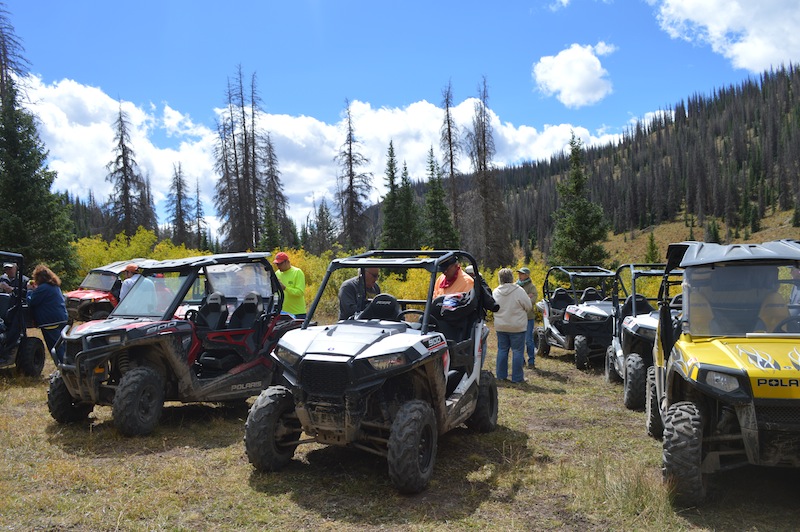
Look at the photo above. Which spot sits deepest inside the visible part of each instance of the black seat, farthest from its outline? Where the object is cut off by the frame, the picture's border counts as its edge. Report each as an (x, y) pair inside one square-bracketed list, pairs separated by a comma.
[(247, 313), (5, 303), (382, 307), (643, 306), (590, 294), (560, 300), (214, 313)]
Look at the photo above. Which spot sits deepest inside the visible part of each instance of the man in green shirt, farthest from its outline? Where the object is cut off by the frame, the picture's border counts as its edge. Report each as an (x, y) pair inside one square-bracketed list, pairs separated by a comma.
[(293, 282)]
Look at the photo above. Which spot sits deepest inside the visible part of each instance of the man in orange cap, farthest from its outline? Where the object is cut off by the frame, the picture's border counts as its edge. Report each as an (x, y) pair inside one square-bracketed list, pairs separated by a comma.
[(129, 276), (293, 282)]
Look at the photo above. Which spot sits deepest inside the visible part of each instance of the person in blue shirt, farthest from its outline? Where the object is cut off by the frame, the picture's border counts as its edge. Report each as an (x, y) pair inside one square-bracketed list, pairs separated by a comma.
[(46, 302)]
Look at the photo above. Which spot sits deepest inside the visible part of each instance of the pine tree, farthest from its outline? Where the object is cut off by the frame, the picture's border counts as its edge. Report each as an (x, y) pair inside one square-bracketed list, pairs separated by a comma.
[(409, 213), (580, 226), (439, 230), (652, 255), (34, 221), (393, 220), (450, 145), (179, 207), (353, 186), (199, 220), (322, 231), (125, 201)]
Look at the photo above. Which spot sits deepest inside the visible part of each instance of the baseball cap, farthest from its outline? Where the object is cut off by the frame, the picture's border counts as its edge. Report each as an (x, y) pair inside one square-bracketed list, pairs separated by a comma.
[(8, 265), (281, 257), (131, 268), (525, 270), (446, 264)]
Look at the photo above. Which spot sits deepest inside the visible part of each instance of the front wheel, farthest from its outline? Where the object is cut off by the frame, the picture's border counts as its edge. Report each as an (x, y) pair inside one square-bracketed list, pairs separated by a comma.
[(30, 357), (683, 453), (272, 430), (633, 394), (611, 374), (484, 418), (138, 402), (581, 352), (412, 447), (653, 422), (63, 408)]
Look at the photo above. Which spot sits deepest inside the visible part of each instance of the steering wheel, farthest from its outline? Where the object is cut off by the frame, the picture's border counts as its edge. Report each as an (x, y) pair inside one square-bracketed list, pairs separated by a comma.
[(191, 315), (781, 327), (431, 320)]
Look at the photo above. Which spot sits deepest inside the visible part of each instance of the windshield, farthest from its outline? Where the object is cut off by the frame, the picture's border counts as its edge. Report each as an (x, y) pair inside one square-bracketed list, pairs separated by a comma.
[(237, 280), (734, 299), (99, 281), (151, 296)]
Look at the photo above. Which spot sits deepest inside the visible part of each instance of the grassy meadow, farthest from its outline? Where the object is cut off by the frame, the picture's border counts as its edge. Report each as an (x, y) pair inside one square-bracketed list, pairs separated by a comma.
[(566, 455)]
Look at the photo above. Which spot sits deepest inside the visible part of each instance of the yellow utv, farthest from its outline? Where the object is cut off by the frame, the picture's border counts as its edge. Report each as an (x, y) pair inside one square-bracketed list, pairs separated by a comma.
[(724, 390)]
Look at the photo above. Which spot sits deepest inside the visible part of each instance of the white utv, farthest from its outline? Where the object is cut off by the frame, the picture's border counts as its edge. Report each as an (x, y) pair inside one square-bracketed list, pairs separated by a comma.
[(390, 380)]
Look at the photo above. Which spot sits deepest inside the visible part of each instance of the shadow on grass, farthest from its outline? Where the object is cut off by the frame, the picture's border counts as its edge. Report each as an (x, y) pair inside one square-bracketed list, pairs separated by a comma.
[(196, 425), (748, 498), (350, 485)]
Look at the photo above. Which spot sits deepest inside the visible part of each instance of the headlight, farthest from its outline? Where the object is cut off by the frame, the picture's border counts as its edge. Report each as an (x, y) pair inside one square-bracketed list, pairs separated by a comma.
[(105, 340), (290, 358), (722, 381), (387, 361)]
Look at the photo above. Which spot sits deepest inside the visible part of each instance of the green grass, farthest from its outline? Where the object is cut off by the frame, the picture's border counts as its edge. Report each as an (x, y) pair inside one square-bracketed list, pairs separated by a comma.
[(567, 455)]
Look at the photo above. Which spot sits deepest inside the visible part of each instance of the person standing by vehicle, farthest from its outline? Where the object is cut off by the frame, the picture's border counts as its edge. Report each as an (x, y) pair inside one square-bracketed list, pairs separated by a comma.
[(293, 283), (452, 279), (8, 281), (510, 322), (46, 302), (354, 292), (130, 274), (524, 280)]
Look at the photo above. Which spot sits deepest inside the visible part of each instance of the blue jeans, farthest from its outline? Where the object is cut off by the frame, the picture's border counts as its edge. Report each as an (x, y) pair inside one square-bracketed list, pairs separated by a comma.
[(515, 342), (529, 341)]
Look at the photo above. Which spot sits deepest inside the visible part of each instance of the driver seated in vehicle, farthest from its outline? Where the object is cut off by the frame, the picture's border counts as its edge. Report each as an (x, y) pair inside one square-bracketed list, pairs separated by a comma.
[(453, 279)]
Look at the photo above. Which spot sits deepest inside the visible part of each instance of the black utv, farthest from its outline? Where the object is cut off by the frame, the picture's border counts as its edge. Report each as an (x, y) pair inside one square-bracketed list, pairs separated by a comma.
[(17, 349)]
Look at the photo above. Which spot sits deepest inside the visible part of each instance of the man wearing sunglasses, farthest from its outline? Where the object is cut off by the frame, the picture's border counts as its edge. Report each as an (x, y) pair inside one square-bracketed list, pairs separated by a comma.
[(354, 292)]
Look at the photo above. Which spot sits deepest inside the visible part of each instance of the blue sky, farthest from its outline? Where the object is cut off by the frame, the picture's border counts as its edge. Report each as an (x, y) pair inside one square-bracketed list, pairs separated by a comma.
[(552, 67)]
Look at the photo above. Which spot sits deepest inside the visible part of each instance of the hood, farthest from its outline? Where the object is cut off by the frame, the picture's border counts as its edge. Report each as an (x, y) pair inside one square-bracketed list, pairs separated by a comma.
[(351, 339), (507, 288), (772, 364), (107, 325), (88, 293)]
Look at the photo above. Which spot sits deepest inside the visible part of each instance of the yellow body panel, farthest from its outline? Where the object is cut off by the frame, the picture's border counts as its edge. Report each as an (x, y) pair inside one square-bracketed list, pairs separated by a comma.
[(772, 363)]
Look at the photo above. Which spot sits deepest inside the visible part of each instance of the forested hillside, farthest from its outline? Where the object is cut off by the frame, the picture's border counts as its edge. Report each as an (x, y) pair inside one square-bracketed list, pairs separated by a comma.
[(732, 156)]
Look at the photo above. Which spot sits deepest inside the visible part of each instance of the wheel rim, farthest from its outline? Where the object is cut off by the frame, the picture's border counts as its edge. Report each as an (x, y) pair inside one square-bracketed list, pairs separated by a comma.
[(425, 450), (146, 403)]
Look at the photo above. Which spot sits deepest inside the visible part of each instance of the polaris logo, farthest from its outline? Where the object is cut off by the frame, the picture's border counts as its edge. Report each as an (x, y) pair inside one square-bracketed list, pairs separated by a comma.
[(781, 383), (246, 386)]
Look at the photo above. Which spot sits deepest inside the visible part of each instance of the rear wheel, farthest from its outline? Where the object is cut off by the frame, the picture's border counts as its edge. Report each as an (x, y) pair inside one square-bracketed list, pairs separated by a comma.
[(653, 422), (611, 374), (30, 357), (484, 418), (581, 352), (682, 455), (412, 447), (633, 394), (63, 408), (138, 402), (543, 348), (272, 430)]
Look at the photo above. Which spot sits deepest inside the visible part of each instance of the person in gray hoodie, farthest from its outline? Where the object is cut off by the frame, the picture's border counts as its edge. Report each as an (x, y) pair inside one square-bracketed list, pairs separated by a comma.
[(510, 323)]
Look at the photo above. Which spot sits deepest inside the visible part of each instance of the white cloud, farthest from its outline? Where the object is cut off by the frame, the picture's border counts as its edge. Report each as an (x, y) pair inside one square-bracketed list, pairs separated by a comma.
[(77, 130), (575, 75), (753, 35)]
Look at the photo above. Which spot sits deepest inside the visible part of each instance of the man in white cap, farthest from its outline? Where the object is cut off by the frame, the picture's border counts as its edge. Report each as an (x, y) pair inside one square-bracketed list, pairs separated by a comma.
[(8, 281)]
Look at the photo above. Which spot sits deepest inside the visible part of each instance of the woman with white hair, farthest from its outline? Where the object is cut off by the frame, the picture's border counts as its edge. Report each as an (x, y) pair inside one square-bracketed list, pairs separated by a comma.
[(510, 323)]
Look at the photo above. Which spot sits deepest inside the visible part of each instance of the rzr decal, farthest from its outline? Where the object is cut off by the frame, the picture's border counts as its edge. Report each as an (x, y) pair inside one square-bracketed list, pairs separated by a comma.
[(757, 358)]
